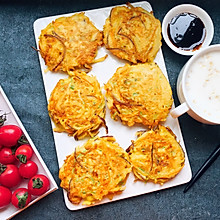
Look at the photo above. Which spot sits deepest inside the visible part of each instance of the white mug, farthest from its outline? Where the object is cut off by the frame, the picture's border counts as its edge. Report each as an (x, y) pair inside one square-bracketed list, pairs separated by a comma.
[(198, 86)]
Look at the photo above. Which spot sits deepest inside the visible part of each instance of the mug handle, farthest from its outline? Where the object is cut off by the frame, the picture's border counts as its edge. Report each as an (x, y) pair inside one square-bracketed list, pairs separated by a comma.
[(178, 111)]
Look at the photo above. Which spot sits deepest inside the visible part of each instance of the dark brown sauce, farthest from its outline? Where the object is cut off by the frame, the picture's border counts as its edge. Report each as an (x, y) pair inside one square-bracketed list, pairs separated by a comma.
[(186, 31)]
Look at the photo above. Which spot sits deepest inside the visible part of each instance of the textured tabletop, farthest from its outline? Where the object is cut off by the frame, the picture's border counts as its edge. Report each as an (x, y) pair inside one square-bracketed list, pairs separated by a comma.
[(20, 77)]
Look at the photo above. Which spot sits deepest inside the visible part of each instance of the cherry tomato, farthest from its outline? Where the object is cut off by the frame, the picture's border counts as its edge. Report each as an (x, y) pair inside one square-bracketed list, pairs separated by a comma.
[(9, 175), (21, 198), (9, 135), (24, 153), (5, 196), (7, 155), (38, 185), (28, 170)]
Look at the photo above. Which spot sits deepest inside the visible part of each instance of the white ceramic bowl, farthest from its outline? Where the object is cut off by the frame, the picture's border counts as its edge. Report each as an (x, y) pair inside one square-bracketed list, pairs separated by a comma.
[(200, 13), (184, 97)]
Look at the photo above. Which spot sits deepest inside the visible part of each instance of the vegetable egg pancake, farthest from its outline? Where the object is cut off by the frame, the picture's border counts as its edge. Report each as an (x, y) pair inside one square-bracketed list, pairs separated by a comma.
[(139, 94), (98, 168), (156, 155), (132, 33), (77, 105), (70, 43)]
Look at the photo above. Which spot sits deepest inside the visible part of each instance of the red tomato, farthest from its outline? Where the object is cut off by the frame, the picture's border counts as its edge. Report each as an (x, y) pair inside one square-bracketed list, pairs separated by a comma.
[(24, 153), (21, 198), (7, 155), (9, 135), (28, 170), (38, 185), (9, 175), (5, 196)]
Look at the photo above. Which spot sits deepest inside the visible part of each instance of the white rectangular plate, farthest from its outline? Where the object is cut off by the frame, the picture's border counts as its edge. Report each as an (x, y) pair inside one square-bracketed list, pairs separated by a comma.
[(12, 118), (65, 145)]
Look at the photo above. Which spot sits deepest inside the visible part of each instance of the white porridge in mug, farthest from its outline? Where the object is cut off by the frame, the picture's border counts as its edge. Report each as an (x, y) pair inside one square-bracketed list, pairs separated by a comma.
[(203, 85)]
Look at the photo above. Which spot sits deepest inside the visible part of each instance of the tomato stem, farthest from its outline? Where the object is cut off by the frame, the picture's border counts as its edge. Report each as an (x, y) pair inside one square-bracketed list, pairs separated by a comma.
[(2, 119), (22, 199), (2, 168), (23, 140), (37, 183), (22, 158), (13, 149)]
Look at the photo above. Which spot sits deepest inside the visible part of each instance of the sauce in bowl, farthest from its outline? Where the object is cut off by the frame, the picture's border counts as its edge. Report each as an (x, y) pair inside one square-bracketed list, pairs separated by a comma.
[(186, 31)]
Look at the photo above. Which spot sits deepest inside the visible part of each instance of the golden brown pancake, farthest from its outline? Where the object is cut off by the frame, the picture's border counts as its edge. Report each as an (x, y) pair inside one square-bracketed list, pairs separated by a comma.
[(139, 94), (77, 105), (132, 33), (97, 169), (70, 43), (156, 155)]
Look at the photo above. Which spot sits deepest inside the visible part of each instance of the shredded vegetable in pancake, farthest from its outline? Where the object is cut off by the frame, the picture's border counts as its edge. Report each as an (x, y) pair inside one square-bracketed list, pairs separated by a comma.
[(97, 169), (77, 105), (132, 33), (139, 94), (70, 43), (156, 155)]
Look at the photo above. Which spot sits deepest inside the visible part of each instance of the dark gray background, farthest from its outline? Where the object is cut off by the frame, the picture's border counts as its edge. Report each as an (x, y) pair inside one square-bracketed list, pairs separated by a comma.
[(20, 77)]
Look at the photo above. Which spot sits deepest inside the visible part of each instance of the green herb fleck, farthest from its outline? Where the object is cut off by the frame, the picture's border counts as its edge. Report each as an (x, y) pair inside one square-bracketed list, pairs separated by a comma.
[(121, 182), (141, 169), (79, 155), (92, 179), (72, 87)]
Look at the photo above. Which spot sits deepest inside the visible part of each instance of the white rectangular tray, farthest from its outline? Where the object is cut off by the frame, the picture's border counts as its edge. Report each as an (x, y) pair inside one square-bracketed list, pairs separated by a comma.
[(12, 118), (103, 71)]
